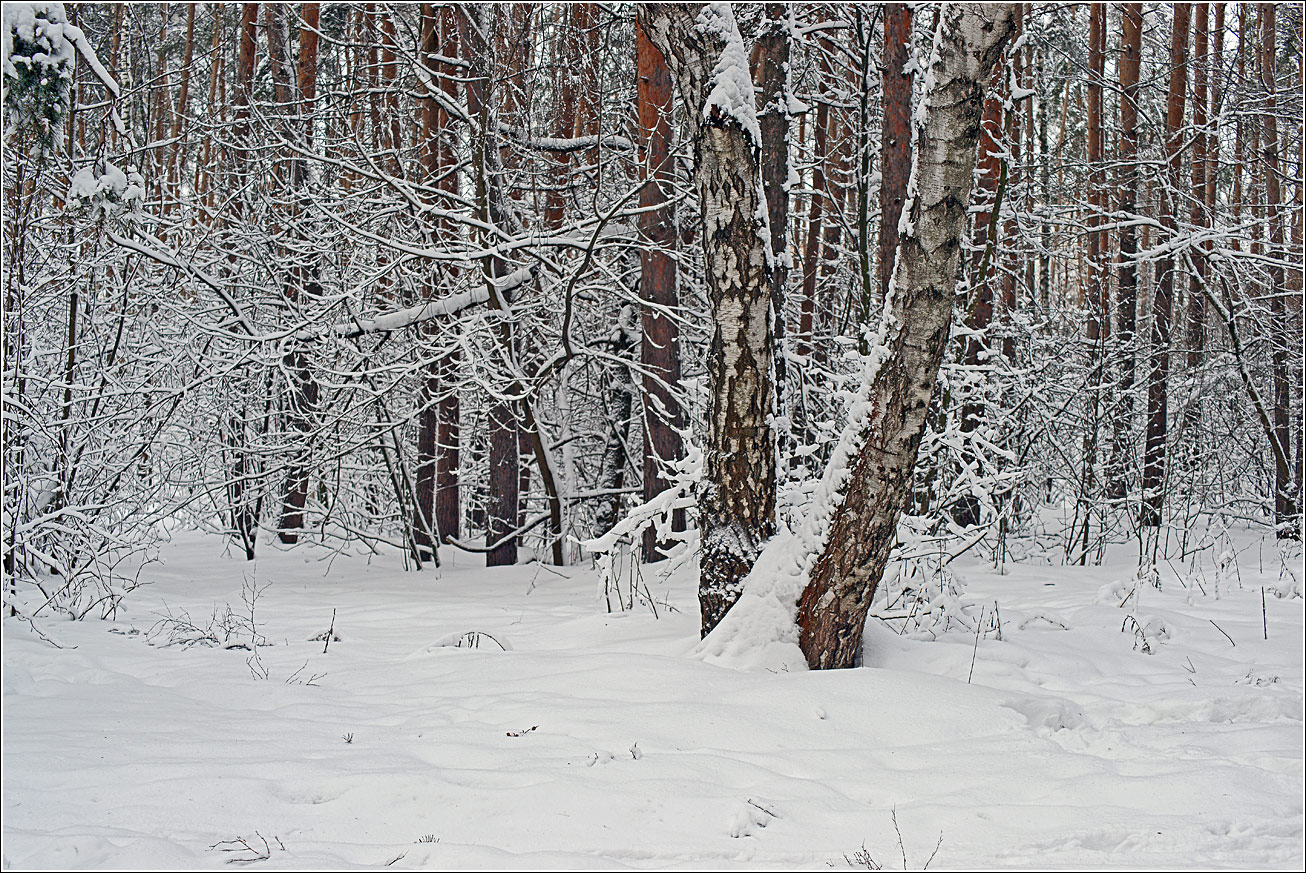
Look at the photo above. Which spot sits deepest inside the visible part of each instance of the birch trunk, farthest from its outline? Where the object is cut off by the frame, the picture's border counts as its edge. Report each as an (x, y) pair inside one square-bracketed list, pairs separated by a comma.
[(833, 607), (709, 64)]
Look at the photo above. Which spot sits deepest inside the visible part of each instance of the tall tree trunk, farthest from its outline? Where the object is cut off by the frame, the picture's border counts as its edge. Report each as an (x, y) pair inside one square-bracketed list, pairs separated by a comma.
[(812, 247), (709, 64), (895, 149), (1286, 521), (990, 168), (660, 346), (244, 508), (504, 454), (1097, 328), (437, 507), (882, 447), (1131, 28), (303, 286), (1154, 452), (1201, 143), (771, 73)]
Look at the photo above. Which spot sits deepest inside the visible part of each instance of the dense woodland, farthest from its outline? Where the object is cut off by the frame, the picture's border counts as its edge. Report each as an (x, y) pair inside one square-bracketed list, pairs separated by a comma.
[(646, 285)]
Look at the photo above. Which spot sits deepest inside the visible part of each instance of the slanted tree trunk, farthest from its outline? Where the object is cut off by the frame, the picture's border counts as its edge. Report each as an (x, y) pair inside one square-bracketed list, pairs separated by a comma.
[(1154, 454), (709, 64), (660, 345), (833, 607), (1122, 418)]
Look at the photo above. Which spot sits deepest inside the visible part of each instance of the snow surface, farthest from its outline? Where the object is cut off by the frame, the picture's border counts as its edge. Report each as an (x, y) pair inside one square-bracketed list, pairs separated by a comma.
[(502, 718)]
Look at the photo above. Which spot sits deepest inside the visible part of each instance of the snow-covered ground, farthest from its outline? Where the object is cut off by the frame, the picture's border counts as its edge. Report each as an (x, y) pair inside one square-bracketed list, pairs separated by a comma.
[(597, 740)]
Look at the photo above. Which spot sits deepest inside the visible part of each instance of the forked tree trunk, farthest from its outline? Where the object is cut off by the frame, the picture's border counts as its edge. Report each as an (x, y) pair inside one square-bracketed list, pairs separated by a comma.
[(833, 607), (709, 63), (660, 346)]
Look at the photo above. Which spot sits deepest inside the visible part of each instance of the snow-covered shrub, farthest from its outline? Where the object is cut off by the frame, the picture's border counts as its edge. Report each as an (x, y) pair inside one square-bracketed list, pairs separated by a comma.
[(108, 193), (39, 56)]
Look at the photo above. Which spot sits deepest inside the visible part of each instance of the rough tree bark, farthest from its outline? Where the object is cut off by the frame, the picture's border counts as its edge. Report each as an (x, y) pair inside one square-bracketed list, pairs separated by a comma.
[(660, 345), (833, 607), (709, 64)]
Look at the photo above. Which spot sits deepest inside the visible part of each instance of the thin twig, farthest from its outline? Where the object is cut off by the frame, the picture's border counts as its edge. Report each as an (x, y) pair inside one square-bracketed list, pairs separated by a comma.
[(901, 848), (975, 651), (1221, 630)]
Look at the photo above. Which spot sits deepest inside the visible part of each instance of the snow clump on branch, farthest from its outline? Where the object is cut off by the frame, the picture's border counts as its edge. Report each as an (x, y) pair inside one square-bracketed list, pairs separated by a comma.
[(110, 194)]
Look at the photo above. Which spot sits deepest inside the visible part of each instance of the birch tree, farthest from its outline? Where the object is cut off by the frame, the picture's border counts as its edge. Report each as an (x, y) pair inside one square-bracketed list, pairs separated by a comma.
[(709, 63), (871, 472)]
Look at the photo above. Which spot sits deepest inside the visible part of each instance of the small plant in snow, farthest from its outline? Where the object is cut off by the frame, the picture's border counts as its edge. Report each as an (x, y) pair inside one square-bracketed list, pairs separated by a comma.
[(225, 629), (249, 851), (862, 858), (348, 738)]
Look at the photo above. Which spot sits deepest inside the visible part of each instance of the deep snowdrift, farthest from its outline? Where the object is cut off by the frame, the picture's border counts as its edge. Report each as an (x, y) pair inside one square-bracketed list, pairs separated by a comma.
[(572, 737)]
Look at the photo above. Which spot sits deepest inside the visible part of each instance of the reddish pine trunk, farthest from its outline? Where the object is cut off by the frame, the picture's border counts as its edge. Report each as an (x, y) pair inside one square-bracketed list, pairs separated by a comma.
[(1154, 451), (660, 348), (895, 151), (1127, 294)]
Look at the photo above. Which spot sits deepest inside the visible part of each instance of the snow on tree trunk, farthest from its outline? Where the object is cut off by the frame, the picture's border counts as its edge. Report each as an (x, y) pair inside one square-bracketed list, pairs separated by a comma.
[(660, 346), (709, 64), (832, 609)]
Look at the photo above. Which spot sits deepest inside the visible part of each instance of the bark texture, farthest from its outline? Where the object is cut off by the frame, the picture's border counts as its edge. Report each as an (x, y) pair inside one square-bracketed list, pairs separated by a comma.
[(895, 149), (833, 607), (660, 344), (706, 56)]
